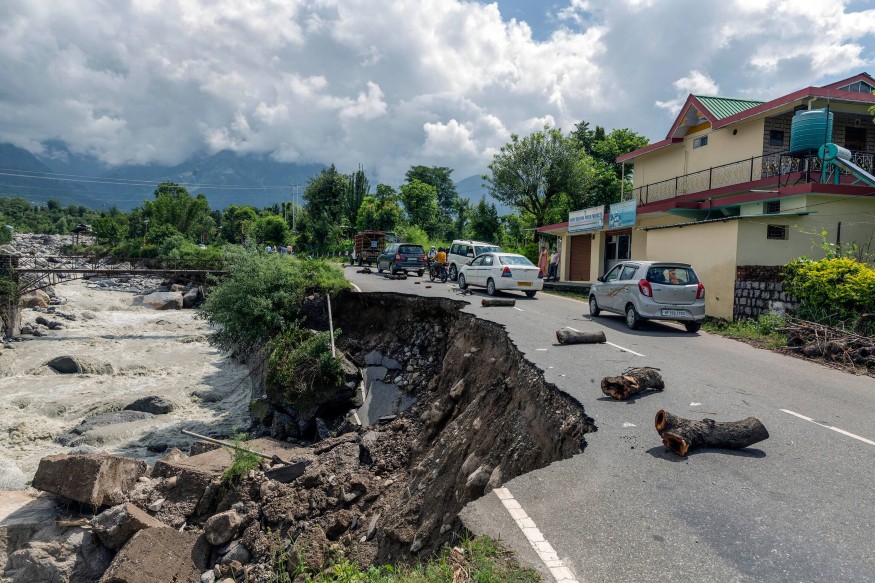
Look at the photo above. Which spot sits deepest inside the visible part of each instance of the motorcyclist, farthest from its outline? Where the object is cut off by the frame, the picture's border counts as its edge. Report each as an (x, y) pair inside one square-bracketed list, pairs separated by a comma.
[(432, 253)]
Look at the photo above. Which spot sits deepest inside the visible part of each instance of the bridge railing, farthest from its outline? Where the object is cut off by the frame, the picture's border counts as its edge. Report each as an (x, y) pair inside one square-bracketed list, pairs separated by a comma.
[(86, 263)]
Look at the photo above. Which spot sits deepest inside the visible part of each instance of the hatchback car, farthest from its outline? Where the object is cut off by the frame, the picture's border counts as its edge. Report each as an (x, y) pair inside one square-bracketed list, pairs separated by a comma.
[(402, 258), (651, 290), (502, 271), (461, 252)]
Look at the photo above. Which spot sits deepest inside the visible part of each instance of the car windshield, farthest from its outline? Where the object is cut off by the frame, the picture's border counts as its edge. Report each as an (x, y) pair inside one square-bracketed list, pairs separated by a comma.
[(479, 249), (411, 250), (514, 260), (671, 275)]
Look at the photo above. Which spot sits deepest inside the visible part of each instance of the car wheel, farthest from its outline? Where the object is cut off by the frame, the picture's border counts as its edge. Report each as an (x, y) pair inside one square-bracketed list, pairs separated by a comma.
[(490, 287), (692, 327), (632, 317), (379, 269), (391, 269), (420, 272), (594, 309), (462, 283), (454, 274), (531, 294)]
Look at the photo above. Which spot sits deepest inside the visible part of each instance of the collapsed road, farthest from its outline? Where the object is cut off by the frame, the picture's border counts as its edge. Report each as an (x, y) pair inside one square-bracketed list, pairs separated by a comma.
[(798, 506)]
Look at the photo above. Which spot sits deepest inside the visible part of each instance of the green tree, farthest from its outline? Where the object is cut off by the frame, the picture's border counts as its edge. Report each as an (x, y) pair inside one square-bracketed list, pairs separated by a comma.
[(485, 224), (529, 173), (355, 194), (325, 195), (378, 214), (174, 206), (111, 228), (237, 221), (463, 217), (441, 178), (421, 204), (272, 229)]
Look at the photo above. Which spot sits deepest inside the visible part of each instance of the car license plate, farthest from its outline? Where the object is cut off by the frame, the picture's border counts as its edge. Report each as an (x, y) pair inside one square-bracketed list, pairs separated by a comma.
[(674, 313), (524, 283)]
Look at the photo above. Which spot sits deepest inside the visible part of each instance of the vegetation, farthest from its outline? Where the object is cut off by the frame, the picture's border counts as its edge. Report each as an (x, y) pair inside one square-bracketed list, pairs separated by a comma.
[(764, 331), (301, 362), (242, 462), (50, 218)]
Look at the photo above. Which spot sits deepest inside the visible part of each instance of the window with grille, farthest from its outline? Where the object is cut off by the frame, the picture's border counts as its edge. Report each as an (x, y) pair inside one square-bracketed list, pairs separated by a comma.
[(776, 138), (776, 232), (700, 141), (772, 207)]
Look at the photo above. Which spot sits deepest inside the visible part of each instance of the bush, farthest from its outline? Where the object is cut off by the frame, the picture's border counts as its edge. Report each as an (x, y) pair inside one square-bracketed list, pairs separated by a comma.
[(833, 291), (301, 363), (413, 234), (261, 296), (241, 462)]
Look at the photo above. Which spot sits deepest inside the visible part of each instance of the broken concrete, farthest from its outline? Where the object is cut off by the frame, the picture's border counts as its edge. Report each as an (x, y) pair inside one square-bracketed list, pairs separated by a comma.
[(159, 554), (98, 480), (115, 526)]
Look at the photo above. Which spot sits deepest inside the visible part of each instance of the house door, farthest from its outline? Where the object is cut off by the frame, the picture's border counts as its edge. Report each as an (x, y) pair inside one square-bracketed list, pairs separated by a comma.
[(617, 248), (855, 139), (578, 261)]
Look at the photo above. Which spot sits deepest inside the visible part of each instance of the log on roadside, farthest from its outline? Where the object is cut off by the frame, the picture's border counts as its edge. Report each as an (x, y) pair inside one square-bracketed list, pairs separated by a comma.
[(631, 382), (572, 337), (493, 302), (681, 435)]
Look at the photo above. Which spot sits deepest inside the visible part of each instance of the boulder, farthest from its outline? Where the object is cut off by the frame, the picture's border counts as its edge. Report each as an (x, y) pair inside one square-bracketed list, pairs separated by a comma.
[(161, 300), (97, 479), (159, 554), (35, 299), (153, 404), (222, 527), (286, 473), (74, 365), (115, 526), (190, 298), (236, 552), (11, 476), (102, 420)]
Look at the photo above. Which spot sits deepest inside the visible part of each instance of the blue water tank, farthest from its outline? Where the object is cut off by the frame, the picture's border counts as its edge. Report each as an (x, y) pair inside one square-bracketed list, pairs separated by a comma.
[(810, 130)]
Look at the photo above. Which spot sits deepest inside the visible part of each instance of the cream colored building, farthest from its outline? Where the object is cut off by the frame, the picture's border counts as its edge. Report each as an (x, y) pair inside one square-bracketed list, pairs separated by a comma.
[(722, 191)]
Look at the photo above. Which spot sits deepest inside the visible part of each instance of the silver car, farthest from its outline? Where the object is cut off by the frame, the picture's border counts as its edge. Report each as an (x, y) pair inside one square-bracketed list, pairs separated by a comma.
[(651, 290)]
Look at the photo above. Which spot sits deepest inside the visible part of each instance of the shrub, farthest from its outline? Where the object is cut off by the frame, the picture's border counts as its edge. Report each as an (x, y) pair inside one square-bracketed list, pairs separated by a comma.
[(833, 291), (301, 363), (242, 462)]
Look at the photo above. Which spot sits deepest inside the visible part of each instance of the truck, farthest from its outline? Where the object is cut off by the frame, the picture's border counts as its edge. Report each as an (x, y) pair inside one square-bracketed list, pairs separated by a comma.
[(369, 245)]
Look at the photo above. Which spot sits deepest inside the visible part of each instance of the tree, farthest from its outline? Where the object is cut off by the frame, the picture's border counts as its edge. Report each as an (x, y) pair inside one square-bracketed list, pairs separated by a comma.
[(380, 212), (111, 227), (355, 194), (529, 173), (324, 195), (485, 224), (237, 221), (174, 206), (439, 177), (272, 229), (421, 203), (463, 217)]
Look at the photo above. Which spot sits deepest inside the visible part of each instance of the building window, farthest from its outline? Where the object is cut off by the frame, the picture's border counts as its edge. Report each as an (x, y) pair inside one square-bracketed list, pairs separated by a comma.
[(858, 87), (772, 207), (699, 142), (776, 138), (776, 232)]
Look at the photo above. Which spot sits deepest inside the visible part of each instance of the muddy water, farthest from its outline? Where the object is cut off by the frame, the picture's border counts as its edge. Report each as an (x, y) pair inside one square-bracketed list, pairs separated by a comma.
[(162, 353)]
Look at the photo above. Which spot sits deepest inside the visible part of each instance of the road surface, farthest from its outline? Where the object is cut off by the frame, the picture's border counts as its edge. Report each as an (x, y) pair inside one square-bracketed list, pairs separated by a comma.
[(799, 506)]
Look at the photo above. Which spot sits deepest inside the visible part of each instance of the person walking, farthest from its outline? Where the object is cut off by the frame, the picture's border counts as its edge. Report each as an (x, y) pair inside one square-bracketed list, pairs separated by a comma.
[(543, 260), (553, 275)]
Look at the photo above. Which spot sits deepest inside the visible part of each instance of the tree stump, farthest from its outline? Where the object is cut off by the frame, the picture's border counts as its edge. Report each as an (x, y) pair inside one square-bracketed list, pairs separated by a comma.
[(631, 382), (572, 337), (681, 435), (494, 302)]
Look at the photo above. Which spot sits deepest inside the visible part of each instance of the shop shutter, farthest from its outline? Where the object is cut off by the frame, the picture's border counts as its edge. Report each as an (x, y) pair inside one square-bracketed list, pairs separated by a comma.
[(579, 260)]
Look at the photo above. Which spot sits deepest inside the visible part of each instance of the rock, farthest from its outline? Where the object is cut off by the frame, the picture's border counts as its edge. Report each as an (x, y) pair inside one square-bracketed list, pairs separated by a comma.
[(390, 363), (495, 478), (161, 300), (236, 552), (177, 287), (38, 332), (74, 365), (153, 404), (373, 358), (156, 505), (285, 473), (42, 321), (55, 325), (222, 527), (50, 291), (98, 480), (198, 447), (322, 430), (209, 577), (35, 299), (476, 482), (27, 329), (310, 548), (11, 476), (458, 390), (85, 449), (115, 526), (101, 420), (190, 298), (373, 525), (159, 554), (89, 315)]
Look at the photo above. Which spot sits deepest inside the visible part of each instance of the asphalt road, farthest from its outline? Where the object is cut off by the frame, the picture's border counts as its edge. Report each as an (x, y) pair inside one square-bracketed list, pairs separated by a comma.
[(799, 506)]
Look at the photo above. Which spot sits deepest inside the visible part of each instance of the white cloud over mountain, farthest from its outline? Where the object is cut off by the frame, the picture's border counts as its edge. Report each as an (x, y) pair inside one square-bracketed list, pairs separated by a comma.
[(390, 84)]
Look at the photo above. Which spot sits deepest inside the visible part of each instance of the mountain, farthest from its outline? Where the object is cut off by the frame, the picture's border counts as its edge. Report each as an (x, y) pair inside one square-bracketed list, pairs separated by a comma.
[(473, 189), (23, 174)]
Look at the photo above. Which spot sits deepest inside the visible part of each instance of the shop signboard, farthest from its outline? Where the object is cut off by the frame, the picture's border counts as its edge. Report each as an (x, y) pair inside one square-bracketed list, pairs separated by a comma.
[(591, 219), (622, 214)]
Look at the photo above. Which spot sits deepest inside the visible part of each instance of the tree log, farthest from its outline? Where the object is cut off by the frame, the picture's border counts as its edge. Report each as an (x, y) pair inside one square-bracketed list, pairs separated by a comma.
[(631, 382), (487, 302), (572, 337), (681, 435)]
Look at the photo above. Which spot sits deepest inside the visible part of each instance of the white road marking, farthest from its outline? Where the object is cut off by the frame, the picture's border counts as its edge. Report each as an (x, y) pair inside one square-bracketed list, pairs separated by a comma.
[(624, 349), (836, 429), (544, 549), (541, 349), (518, 309), (357, 288), (572, 329), (695, 404), (627, 424)]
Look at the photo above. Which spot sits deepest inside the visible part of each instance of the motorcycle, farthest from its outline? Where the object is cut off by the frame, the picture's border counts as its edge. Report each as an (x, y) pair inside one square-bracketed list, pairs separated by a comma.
[(438, 271)]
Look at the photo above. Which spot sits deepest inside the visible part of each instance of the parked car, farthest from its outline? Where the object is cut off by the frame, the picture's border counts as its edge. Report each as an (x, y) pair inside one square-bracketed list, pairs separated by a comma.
[(651, 290), (402, 258), (502, 271), (461, 252)]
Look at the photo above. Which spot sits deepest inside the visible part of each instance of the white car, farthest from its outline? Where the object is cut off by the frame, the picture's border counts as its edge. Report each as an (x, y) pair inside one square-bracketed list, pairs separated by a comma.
[(461, 252), (502, 271)]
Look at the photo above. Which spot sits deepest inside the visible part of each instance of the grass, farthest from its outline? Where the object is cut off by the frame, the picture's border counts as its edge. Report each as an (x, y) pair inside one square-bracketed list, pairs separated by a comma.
[(761, 332), (485, 561), (242, 462)]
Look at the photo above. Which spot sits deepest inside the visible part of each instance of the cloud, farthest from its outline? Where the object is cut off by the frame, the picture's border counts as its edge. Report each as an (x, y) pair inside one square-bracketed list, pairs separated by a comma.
[(391, 84)]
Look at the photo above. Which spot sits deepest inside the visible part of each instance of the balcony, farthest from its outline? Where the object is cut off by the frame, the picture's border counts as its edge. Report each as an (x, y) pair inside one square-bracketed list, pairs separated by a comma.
[(782, 168)]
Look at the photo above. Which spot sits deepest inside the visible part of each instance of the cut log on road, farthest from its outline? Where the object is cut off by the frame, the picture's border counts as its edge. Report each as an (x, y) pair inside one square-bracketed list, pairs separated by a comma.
[(492, 302), (631, 382), (572, 337), (681, 435)]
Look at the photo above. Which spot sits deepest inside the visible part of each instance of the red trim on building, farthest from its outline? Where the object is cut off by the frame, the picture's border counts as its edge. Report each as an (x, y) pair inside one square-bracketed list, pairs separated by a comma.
[(691, 100), (554, 227), (860, 77)]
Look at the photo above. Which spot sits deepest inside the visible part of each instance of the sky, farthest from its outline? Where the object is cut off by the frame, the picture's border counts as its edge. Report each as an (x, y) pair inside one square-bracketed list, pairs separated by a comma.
[(390, 84)]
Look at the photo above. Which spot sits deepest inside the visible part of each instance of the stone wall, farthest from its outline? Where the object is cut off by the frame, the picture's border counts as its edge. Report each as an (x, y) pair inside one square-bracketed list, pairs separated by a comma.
[(759, 289)]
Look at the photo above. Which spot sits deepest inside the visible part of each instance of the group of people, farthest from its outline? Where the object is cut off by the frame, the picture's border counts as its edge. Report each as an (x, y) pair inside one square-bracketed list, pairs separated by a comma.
[(437, 255), (549, 262), (282, 250)]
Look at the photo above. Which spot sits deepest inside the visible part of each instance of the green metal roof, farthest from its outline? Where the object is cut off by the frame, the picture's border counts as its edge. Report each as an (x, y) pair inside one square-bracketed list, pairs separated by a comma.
[(723, 107)]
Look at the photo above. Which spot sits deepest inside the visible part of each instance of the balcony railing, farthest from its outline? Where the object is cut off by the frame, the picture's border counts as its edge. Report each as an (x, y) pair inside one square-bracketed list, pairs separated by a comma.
[(783, 167)]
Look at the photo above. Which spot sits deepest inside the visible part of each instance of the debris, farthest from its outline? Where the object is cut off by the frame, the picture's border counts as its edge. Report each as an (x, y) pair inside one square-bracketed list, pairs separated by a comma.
[(115, 526), (847, 350), (286, 473), (573, 337), (364, 270), (681, 435), (98, 479), (494, 302), (631, 382), (159, 554)]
